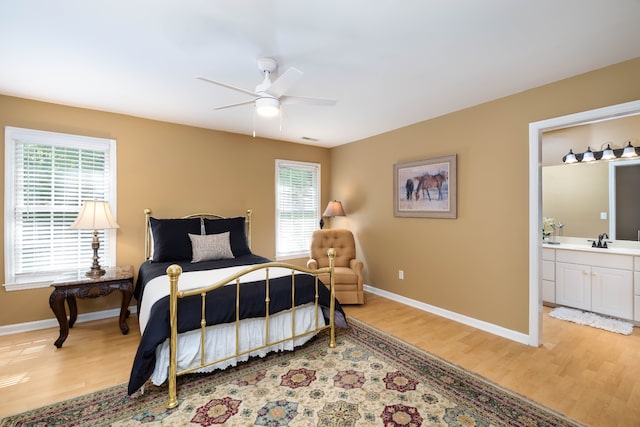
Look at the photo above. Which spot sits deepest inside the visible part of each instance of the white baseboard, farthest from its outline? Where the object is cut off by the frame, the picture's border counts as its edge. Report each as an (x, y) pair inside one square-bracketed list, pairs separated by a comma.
[(456, 317), (53, 323), (469, 321)]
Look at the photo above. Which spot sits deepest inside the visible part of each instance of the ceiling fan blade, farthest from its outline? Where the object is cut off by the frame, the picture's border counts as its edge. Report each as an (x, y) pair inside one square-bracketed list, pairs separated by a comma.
[(302, 100), (237, 89), (284, 82), (234, 105)]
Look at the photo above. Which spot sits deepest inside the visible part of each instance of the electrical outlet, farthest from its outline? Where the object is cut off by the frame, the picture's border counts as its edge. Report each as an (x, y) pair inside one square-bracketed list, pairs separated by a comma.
[(401, 274)]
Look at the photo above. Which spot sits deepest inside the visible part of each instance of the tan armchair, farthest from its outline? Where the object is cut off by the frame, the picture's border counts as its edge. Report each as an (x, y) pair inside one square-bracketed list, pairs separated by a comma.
[(348, 280)]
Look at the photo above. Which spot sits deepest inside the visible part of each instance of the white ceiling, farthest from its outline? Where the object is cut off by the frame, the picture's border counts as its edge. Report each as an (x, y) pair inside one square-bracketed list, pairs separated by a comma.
[(388, 63)]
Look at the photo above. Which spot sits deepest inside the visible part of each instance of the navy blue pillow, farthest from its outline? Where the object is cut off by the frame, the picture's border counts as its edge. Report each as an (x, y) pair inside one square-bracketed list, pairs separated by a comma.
[(237, 233), (171, 240)]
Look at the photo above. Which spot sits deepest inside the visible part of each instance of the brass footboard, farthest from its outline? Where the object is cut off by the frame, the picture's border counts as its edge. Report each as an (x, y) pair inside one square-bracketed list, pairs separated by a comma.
[(174, 272)]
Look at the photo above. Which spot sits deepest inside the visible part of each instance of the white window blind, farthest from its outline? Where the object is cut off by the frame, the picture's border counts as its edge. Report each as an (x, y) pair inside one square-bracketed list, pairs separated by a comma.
[(47, 177), (297, 207)]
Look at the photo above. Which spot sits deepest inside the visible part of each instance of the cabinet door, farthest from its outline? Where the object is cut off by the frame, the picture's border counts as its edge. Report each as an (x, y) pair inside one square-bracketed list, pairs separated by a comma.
[(548, 281), (612, 292), (549, 291), (573, 285)]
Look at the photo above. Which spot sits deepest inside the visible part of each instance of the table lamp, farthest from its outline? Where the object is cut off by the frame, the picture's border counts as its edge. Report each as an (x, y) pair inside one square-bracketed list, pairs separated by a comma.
[(95, 215), (334, 208)]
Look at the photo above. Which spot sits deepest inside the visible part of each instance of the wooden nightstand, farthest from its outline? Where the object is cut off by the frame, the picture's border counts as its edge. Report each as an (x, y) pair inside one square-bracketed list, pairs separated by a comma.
[(76, 284)]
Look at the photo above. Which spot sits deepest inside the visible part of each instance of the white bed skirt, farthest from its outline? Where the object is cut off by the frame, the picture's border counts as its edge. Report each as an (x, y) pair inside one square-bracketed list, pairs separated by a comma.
[(220, 341)]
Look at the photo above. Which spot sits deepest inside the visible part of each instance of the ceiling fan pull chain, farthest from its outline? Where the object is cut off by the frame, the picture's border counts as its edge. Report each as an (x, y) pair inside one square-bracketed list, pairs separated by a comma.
[(254, 121)]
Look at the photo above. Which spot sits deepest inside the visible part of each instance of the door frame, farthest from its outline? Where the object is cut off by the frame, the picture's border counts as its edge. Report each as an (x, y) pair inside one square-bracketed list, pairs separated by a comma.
[(536, 129)]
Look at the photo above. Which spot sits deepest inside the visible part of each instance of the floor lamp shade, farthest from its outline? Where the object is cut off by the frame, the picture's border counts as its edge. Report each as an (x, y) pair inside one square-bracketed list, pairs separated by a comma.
[(334, 208), (95, 215)]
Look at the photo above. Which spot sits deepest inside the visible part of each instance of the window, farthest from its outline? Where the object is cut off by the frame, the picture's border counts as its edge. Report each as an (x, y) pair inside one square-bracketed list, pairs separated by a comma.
[(47, 177), (297, 207)]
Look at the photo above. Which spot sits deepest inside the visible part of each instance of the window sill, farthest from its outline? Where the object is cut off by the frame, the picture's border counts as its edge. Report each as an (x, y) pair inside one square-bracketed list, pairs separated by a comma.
[(30, 281), (287, 257), (10, 287)]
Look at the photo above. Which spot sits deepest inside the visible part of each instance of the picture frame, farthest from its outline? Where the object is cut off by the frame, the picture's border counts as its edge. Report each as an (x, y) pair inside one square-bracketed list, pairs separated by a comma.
[(426, 188)]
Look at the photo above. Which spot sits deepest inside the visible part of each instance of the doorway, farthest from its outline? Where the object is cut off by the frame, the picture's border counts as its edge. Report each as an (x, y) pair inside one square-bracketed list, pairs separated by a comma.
[(536, 130)]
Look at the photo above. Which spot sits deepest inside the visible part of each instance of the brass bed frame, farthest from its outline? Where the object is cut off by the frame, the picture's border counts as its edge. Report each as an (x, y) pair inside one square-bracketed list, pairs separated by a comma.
[(174, 271)]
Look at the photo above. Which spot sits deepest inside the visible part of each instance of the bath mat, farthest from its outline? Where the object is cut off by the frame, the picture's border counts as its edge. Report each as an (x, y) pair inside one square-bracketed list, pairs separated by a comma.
[(592, 319)]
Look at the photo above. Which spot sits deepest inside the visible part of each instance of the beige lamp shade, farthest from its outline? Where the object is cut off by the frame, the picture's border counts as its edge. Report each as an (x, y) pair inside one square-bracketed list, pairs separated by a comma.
[(94, 215), (334, 208)]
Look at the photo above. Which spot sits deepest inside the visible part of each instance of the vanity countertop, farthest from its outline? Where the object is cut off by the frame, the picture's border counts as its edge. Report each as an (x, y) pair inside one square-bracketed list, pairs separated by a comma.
[(612, 249)]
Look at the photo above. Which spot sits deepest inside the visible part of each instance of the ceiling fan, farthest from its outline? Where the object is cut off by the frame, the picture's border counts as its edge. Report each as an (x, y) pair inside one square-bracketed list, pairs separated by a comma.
[(268, 96)]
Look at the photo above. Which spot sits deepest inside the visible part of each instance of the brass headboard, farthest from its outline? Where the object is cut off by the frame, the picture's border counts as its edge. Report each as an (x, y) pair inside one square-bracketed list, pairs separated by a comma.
[(147, 229)]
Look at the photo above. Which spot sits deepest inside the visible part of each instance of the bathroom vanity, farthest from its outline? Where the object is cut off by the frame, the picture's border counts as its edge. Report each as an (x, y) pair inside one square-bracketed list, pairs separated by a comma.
[(605, 281)]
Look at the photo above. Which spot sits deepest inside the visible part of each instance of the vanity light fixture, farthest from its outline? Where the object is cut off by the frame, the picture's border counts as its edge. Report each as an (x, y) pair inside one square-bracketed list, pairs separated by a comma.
[(629, 151), (570, 157), (606, 154), (588, 156)]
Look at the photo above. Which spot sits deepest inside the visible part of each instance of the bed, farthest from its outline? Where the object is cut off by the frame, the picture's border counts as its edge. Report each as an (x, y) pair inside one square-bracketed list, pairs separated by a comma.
[(206, 302)]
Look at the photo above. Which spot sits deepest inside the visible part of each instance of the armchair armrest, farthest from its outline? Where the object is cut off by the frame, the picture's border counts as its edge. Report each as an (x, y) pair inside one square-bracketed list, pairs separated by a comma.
[(312, 264), (357, 266)]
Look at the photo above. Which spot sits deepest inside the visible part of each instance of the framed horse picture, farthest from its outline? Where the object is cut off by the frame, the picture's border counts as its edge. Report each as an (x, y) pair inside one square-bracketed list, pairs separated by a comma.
[(425, 188)]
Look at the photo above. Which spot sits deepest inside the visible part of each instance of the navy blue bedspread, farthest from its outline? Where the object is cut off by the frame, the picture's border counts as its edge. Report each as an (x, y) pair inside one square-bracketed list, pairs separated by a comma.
[(150, 270), (220, 306)]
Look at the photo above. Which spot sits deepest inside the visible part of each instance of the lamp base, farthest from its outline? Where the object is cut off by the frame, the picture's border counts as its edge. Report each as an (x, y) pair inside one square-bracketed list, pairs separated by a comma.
[(321, 223), (94, 273)]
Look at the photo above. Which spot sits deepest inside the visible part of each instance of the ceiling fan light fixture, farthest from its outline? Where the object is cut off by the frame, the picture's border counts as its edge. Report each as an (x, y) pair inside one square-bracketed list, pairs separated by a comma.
[(267, 106)]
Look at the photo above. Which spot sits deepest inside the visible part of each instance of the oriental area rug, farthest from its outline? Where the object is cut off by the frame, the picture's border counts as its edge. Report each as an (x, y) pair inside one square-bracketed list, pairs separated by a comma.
[(369, 379)]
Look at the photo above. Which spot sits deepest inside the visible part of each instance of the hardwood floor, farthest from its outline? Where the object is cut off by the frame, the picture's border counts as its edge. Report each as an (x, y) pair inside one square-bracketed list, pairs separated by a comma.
[(590, 375)]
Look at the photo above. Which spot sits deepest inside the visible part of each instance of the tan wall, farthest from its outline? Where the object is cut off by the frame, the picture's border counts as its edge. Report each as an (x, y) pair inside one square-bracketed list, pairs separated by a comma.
[(477, 264), (170, 168)]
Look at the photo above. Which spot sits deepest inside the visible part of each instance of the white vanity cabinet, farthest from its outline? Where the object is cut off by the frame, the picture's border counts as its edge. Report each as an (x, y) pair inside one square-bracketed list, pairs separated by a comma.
[(595, 281), (549, 275)]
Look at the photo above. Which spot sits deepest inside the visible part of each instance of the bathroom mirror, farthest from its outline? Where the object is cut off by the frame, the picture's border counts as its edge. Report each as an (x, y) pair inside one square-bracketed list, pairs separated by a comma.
[(624, 200), (586, 197)]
